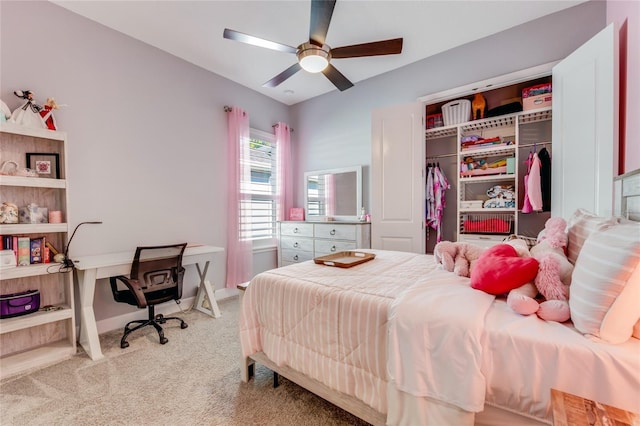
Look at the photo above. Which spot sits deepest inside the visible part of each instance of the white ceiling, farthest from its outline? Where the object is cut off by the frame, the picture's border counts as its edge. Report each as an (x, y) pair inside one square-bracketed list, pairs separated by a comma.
[(192, 30)]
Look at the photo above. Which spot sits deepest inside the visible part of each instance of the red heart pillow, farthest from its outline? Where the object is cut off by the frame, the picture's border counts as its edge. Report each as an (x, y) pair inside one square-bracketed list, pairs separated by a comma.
[(500, 270)]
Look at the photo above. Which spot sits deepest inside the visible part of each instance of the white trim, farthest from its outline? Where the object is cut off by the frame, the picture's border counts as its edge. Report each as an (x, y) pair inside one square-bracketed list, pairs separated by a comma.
[(543, 70)]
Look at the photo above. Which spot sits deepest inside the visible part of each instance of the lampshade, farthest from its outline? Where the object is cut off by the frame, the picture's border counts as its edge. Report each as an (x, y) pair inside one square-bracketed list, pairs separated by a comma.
[(313, 58)]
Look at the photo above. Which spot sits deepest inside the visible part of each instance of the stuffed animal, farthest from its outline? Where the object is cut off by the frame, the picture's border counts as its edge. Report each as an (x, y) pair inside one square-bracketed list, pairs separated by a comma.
[(457, 257), (552, 280)]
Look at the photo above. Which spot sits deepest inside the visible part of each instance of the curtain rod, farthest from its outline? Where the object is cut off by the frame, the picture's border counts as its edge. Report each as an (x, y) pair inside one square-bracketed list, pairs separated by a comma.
[(276, 125)]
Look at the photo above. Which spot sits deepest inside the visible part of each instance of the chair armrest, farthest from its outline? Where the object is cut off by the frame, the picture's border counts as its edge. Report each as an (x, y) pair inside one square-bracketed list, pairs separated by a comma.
[(132, 285)]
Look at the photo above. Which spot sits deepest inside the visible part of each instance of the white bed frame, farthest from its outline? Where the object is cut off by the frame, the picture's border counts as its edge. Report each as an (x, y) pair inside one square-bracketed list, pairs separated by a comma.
[(626, 204)]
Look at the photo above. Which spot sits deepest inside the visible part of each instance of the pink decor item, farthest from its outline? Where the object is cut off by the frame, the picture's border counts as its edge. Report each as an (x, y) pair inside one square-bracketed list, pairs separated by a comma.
[(296, 213), (55, 216)]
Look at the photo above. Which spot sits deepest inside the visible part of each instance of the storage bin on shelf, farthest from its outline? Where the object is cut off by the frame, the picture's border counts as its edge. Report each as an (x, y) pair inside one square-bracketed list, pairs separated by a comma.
[(456, 112), (538, 96), (486, 223)]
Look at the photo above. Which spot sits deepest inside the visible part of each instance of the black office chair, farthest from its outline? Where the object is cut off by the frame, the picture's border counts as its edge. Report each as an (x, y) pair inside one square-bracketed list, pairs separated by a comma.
[(156, 277)]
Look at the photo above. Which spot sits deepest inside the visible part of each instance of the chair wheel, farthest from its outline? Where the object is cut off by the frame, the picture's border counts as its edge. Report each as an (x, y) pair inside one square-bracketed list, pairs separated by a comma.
[(124, 345), (163, 340), (184, 325)]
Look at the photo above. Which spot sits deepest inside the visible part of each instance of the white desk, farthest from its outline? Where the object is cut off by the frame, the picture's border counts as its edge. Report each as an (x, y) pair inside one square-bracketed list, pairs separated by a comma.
[(92, 268)]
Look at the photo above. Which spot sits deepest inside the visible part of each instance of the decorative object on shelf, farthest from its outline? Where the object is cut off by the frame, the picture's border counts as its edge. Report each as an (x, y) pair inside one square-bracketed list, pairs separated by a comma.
[(47, 113), (46, 164), (296, 213), (478, 106), (10, 168), (55, 216), (28, 114), (5, 112), (32, 213), (8, 213), (16, 304), (7, 259)]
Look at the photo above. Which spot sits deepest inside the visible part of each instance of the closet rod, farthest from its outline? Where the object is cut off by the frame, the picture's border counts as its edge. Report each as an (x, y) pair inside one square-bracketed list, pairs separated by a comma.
[(441, 156), (534, 144)]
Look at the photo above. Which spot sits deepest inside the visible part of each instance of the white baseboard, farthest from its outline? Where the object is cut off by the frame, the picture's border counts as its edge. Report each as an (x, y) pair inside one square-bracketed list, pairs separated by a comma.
[(119, 321)]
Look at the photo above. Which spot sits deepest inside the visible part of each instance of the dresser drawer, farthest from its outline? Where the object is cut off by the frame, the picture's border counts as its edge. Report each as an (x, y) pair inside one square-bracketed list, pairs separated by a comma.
[(295, 256), (296, 243), (323, 247), (300, 229), (336, 232)]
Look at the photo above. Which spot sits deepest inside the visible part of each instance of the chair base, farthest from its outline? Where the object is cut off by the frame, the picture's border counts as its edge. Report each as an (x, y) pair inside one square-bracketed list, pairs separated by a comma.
[(155, 321)]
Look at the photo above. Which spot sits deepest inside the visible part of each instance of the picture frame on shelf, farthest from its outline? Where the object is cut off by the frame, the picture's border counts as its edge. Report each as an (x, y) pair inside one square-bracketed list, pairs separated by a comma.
[(46, 164)]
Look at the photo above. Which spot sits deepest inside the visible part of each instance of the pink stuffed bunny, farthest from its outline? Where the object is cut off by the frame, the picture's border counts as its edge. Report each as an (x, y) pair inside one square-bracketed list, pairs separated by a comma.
[(553, 278), (457, 257)]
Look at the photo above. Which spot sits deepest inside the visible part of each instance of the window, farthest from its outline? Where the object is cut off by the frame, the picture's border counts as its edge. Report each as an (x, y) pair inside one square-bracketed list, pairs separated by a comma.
[(259, 189)]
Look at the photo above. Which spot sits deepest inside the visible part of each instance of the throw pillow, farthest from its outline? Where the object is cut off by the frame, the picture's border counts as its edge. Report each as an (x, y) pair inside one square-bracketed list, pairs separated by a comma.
[(580, 226), (605, 285)]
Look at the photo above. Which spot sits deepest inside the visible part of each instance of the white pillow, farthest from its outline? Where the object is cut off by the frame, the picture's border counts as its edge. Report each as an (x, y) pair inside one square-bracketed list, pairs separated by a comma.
[(580, 226), (605, 285)]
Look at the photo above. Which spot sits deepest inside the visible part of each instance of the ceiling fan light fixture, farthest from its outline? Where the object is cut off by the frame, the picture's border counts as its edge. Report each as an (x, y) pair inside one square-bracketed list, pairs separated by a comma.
[(312, 58)]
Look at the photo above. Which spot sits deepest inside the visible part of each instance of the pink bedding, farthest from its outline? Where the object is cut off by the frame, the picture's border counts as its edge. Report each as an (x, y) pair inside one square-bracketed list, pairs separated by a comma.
[(332, 325)]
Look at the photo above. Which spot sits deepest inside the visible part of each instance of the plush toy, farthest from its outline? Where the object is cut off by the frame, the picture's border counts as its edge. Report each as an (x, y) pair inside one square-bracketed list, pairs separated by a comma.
[(504, 267), (457, 257), (5, 112), (552, 280)]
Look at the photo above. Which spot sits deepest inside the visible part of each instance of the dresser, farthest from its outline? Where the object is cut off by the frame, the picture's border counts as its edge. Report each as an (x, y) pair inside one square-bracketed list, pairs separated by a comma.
[(301, 241)]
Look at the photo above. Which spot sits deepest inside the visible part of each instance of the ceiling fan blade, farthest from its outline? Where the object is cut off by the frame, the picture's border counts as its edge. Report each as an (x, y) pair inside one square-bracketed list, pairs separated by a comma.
[(336, 77), (321, 12), (283, 75), (256, 41), (376, 48)]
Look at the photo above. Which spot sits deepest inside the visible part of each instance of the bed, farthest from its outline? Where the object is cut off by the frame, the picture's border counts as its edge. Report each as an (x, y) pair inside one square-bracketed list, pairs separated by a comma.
[(398, 340)]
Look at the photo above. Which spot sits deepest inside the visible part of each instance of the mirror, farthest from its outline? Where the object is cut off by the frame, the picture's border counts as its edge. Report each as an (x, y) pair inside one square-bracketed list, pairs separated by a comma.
[(333, 194)]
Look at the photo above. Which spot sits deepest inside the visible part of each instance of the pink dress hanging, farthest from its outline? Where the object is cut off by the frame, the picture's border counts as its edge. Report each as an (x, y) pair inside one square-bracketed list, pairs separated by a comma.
[(526, 205)]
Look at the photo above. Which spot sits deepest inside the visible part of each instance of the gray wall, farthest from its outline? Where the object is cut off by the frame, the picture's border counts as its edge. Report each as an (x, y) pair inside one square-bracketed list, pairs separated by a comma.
[(336, 127), (146, 132)]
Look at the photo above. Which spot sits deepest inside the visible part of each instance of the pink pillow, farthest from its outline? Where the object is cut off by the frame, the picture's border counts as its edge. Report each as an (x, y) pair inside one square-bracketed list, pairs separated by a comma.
[(500, 270)]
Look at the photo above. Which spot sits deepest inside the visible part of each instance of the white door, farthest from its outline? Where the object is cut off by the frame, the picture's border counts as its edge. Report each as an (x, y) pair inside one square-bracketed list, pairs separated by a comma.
[(585, 127), (397, 173)]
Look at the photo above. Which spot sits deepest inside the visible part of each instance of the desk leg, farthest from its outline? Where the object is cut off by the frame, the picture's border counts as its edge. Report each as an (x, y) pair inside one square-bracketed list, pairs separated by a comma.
[(88, 328), (205, 288)]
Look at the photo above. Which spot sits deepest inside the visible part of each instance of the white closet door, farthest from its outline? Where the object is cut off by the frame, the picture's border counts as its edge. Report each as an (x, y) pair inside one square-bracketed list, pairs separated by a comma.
[(397, 173), (585, 127)]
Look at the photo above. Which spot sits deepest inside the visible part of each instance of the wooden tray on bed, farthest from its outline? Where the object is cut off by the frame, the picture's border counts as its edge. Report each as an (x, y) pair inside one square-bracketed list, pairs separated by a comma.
[(344, 259)]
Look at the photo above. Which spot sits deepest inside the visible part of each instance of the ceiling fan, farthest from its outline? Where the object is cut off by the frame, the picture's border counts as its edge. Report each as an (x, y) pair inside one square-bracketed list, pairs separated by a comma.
[(314, 55)]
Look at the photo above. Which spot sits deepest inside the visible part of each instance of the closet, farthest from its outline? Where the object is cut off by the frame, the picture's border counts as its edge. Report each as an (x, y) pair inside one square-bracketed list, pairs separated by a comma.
[(485, 201), (584, 157)]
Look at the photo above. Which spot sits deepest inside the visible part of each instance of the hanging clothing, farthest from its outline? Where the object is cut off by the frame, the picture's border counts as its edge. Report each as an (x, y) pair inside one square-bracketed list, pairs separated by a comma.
[(437, 184), (534, 190), (526, 205), (545, 178)]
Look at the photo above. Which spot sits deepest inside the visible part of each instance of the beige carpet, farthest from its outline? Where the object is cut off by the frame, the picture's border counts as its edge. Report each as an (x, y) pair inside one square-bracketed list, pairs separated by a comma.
[(192, 380)]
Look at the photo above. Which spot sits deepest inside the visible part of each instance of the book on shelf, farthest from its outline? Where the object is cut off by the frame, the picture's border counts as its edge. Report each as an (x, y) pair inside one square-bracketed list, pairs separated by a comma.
[(24, 251), (37, 250)]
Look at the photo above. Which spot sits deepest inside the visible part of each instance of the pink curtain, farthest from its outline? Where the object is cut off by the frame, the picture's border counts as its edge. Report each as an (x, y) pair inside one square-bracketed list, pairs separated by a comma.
[(239, 251), (285, 172), (330, 195)]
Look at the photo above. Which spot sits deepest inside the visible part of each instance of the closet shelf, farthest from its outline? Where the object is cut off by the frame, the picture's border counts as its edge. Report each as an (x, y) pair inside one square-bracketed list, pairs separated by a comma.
[(524, 117), (489, 178)]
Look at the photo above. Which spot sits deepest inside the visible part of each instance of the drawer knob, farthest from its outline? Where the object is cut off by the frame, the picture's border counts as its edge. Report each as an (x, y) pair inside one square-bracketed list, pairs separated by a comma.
[(295, 245), (333, 248), (295, 230), (295, 257), (333, 232)]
